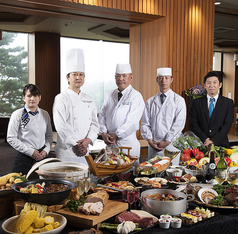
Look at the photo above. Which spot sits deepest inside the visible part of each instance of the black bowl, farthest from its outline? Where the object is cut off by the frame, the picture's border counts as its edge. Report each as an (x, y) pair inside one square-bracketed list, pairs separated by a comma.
[(45, 198)]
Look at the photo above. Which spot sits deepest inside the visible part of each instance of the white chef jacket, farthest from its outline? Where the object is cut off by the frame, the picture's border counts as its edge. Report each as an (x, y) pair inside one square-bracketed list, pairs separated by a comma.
[(34, 135), (122, 118), (75, 118), (163, 121)]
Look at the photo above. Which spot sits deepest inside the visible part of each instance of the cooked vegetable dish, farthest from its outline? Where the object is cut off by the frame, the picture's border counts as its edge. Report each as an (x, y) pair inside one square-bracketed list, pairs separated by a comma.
[(42, 188), (163, 197)]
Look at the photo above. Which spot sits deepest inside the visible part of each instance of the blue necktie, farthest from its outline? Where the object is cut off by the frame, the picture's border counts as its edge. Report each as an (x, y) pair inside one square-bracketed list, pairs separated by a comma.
[(211, 107), (162, 97), (25, 116)]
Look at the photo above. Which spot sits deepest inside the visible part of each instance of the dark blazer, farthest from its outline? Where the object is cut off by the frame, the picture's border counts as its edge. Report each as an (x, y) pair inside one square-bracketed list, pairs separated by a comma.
[(220, 124)]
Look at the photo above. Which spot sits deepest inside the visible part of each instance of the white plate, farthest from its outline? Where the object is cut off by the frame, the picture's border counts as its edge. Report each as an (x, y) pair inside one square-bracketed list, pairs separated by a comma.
[(201, 191), (145, 179), (160, 180)]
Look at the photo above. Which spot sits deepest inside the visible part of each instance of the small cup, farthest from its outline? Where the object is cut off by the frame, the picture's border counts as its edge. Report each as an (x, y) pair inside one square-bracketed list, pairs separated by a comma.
[(176, 223), (164, 223), (174, 172)]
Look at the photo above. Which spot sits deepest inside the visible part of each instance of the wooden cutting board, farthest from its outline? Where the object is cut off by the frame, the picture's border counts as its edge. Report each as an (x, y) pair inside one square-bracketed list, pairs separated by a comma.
[(111, 209)]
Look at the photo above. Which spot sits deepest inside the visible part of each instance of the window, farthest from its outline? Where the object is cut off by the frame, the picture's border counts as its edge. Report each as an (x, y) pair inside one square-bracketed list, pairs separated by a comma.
[(100, 65), (13, 71)]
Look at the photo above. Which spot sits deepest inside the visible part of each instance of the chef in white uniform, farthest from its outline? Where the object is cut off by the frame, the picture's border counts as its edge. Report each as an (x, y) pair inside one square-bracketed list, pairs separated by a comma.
[(164, 116), (74, 113), (121, 112)]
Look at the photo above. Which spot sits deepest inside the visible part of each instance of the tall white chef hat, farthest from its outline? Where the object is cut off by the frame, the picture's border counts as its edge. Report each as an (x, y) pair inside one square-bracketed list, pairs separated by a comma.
[(164, 71), (75, 61), (123, 68)]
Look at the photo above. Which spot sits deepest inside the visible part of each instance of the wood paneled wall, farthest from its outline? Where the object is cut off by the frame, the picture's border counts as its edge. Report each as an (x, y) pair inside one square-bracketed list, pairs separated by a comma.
[(156, 7), (47, 67), (182, 40), (229, 70), (147, 52)]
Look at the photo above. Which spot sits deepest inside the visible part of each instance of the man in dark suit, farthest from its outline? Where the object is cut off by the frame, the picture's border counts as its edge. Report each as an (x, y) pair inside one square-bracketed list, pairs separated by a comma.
[(211, 117)]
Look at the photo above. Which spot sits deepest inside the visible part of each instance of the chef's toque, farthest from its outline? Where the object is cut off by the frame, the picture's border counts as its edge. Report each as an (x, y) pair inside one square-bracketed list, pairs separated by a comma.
[(123, 68), (164, 71), (75, 61)]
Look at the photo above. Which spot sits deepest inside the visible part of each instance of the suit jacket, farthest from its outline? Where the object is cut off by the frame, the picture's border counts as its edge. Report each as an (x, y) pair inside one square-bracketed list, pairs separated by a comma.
[(219, 126)]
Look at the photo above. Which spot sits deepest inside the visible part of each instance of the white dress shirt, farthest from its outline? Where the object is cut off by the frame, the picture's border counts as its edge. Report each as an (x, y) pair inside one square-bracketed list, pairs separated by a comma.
[(209, 100), (163, 121), (34, 135), (122, 118), (75, 118)]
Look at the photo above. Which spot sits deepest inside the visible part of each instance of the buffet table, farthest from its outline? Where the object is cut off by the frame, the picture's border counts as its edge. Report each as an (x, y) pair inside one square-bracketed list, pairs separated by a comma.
[(222, 223)]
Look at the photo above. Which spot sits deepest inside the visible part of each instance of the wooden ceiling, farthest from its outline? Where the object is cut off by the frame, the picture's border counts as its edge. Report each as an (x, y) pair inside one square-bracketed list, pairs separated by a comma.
[(70, 19), (100, 23)]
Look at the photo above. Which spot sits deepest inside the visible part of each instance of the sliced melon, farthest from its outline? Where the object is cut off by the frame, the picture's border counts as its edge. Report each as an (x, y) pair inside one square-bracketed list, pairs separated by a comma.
[(203, 161)]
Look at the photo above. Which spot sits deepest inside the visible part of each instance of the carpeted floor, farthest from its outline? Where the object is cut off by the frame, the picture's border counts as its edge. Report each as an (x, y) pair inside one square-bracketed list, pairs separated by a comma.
[(6, 157)]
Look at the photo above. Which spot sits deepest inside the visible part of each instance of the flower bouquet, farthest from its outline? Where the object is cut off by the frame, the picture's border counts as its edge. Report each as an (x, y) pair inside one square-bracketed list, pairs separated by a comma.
[(196, 91)]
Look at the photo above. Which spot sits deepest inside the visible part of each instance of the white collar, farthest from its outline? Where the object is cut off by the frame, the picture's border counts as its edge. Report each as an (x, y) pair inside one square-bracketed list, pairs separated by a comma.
[(209, 97), (166, 93), (27, 108), (125, 90)]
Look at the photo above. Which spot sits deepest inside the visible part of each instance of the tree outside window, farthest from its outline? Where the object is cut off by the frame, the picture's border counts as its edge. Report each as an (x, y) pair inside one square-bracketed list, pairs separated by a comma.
[(13, 71)]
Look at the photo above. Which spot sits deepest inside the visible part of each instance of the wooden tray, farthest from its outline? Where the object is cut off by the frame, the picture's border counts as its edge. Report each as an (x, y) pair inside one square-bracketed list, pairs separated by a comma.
[(214, 206), (111, 209)]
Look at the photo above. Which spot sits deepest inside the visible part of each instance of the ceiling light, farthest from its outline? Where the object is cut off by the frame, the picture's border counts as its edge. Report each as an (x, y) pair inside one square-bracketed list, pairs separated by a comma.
[(217, 3)]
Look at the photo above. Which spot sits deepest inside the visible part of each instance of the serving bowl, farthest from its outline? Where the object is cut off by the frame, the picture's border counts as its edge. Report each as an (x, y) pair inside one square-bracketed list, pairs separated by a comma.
[(158, 208), (62, 170), (45, 198), (9, 225), (178, 167), (174, 172), (191, 172)]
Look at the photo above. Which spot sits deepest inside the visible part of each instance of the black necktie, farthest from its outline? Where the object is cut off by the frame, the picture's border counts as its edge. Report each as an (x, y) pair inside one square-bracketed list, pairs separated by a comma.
[(162, 97), (119, 96)]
